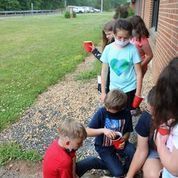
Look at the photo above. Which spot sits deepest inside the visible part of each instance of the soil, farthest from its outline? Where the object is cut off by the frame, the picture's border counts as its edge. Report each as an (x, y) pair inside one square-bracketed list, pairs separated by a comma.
[(68, 98)]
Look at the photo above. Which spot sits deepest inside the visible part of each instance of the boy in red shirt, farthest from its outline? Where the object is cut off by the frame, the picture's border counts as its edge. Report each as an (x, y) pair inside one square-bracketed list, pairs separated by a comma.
[(60, 160)]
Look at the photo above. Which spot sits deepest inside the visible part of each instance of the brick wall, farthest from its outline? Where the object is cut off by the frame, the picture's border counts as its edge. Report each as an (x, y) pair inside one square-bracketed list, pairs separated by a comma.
[(164, 41), (166, 46), (147, 12)]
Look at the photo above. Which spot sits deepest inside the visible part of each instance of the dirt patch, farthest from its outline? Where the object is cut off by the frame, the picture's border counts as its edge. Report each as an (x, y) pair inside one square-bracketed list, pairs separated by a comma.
[(21, 169)]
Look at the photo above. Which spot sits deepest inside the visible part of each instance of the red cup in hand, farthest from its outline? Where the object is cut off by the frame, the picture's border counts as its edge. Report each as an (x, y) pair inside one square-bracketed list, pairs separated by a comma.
[(118, 140), (163, 131), (88, 46), (136, 102)]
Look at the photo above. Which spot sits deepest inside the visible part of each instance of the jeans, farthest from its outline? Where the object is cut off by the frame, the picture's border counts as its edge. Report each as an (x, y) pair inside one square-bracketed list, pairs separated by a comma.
[(153, 154), (113, 159), (87, 164)]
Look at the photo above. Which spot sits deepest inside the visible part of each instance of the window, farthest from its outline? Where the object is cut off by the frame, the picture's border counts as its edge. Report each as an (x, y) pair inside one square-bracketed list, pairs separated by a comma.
[(155, 14)]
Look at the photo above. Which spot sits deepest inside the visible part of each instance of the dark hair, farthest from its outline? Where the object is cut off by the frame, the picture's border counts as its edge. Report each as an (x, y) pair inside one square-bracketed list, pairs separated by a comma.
[(115, 100), (123, 24), (139, 26), (107, 27), (166, 106), (151, 96), (151, 101)]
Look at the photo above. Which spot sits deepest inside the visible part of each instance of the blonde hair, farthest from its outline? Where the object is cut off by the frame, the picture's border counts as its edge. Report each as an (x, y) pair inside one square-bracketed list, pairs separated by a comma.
[(72, 129), (115, 100)]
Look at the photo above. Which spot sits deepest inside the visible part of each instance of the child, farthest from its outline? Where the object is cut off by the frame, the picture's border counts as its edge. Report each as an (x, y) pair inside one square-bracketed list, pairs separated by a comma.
[(105, 124), (166, 110), (59, 159), (108, 37), (123, 60), (140, 40), (146, 156)]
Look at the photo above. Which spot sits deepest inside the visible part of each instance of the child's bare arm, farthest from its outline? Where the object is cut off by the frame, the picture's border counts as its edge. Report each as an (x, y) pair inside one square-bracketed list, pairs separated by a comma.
[(95, 132), (168, 159), (138, 71), (139, 156), (148, 54), (104, 75)]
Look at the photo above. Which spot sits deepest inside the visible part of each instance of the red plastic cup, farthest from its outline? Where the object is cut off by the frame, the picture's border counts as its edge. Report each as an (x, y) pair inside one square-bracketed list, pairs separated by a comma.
[(116, 142), (163, 131), (88, 46), (136, 102)]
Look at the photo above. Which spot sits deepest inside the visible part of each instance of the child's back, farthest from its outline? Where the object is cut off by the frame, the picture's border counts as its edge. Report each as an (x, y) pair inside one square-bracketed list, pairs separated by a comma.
[(57, 162)]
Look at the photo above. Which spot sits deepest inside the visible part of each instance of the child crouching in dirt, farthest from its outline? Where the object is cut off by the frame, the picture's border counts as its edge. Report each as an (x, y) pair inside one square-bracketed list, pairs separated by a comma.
[(107, 122), (60, 157)]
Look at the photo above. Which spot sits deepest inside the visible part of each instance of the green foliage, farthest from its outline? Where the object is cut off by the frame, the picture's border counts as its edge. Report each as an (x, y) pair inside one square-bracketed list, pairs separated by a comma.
[(131, 11), (121, 11), (36, 52), (8, 5), (56, 4), (92, 73), (13, 151), (67, 14)]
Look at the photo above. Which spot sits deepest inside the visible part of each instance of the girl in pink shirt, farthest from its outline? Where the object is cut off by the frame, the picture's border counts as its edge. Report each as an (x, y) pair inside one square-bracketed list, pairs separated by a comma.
[(140, 40)]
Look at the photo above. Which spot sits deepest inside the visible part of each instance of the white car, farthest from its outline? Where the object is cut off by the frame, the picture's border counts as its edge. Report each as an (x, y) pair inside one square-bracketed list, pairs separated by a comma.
[(78, 9), (96, 10)]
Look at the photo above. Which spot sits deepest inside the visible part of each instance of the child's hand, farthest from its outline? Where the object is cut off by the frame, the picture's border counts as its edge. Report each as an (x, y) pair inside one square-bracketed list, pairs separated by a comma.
[(92, 47), (110, 133), (122, 145), (160, 139)]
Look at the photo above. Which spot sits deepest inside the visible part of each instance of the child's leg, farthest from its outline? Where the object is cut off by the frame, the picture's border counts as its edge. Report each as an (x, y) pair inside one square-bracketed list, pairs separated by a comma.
[(130, 97), (108, 81), (151, 168), (152, 165), (112, 162), (87, 164)]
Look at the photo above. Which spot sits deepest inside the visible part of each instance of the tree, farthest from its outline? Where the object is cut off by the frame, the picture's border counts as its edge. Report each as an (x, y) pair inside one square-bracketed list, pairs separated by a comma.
[(8, 5), (55, 4)]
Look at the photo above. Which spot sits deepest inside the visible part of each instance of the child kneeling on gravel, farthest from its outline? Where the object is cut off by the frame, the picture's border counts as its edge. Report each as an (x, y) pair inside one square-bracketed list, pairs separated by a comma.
[(60, 159), (106, 123)]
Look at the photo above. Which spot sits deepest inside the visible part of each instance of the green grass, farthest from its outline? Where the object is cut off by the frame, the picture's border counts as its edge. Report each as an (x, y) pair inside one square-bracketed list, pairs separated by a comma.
[(89, 74), (36, 52), (12, 151)]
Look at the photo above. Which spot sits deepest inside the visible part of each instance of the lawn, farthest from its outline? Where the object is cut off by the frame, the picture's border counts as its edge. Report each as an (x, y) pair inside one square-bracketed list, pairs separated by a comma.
[(36, 52)]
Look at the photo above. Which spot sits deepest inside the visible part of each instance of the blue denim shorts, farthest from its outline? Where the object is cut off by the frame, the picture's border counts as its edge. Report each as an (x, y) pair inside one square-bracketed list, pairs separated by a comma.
[(153, 154)]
